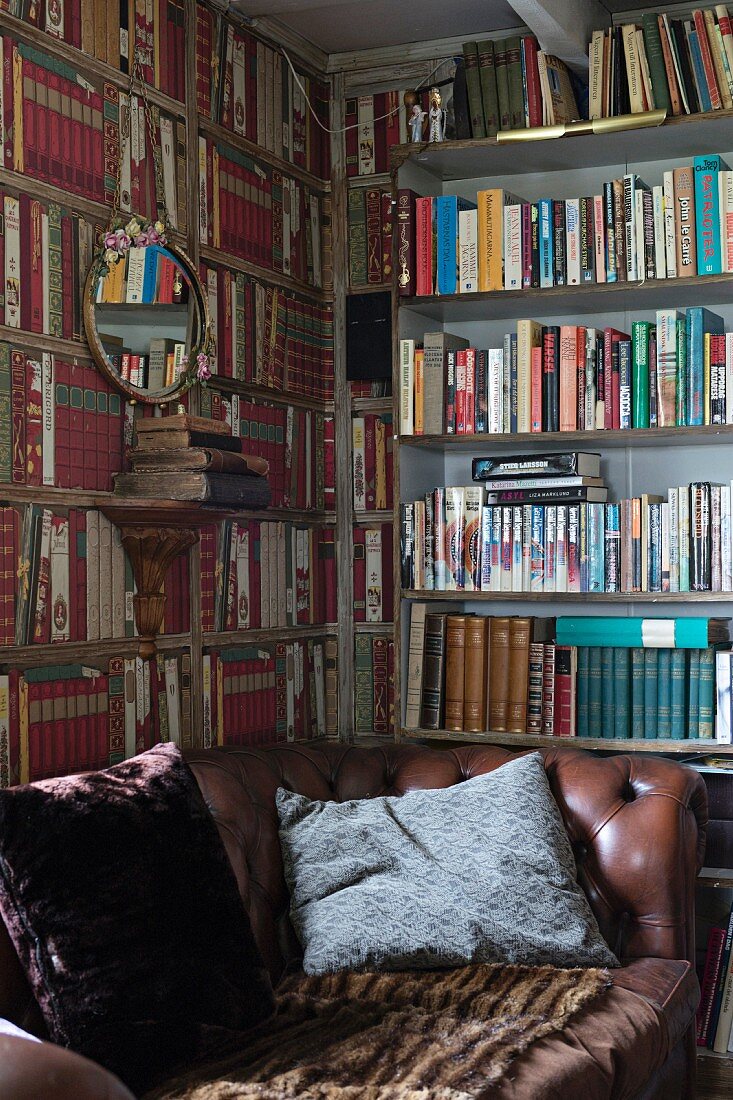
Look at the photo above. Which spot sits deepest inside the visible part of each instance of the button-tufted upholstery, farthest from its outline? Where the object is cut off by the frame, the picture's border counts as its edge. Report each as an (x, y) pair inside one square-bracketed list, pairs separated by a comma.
[(637, 826)]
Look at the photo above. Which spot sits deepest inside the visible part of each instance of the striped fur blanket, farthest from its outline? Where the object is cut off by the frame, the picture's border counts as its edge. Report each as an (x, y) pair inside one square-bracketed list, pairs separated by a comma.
[(423, 1035)]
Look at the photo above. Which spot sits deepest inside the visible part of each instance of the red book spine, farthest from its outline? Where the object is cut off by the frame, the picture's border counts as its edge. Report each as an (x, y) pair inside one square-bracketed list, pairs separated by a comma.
[(35, 756), (608, 334), (370, 460), (424, 245), (536, 390), (461, 397), (532, 81), (713, 960), (66, 732), (563, 698), (255, 571), (329, 464), (18, 410), (470, 354), (707, 60), (405, 246), (580, 361), (30, 157)]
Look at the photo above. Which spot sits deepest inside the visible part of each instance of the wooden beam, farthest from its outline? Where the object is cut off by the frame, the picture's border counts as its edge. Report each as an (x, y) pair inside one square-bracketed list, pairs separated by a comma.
[(564, 27)]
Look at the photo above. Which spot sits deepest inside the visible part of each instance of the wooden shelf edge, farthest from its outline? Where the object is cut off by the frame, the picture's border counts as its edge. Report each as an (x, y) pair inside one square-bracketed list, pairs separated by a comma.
[(692, 434), (716, 877), (373, 628), (370, 288), (74, 349), (463, 596), (268, 634), (376, 515), (371, 404), (376, 179), (238, 141), (61, 653), (256, 391), (265, 274), (611, 744)]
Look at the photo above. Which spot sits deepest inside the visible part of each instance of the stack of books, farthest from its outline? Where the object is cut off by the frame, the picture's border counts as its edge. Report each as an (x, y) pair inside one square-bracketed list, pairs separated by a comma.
[(715, 1011), (183, 457)]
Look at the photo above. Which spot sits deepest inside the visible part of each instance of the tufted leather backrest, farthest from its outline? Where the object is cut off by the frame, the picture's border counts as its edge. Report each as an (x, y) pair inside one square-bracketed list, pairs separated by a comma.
[(636, 823)]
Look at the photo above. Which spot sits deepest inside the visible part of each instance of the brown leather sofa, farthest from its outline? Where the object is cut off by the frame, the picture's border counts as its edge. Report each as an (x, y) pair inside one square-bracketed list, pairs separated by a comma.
[(637, 826)]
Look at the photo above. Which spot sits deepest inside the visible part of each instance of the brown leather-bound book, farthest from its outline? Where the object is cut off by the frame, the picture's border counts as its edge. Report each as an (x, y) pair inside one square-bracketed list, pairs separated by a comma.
[(182, 422), (519, 639), (199, 458), (499, 675), (433, 667), (475, 680), (455, 665)]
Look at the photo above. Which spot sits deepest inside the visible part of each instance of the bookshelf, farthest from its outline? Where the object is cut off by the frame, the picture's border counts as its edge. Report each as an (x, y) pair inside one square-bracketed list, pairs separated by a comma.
[(305, 166)]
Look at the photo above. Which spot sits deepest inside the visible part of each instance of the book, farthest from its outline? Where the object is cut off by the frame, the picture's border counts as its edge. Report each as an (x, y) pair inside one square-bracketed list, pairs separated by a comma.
[(214, 488), (431, 706), (551, 464)]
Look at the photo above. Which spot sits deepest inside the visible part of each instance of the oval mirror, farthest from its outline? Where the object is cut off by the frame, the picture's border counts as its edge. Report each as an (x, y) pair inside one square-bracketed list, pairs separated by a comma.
[(146, 315)]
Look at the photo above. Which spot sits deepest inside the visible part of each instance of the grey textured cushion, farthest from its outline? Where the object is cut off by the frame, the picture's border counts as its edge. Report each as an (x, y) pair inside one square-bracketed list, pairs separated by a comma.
[(478, 872)]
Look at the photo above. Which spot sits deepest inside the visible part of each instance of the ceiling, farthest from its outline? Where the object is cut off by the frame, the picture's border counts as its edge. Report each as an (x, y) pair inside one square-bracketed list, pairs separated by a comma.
[(343, 25)]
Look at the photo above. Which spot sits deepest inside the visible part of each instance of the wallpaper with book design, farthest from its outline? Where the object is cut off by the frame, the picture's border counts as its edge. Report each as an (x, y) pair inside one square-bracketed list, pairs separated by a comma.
[(72, 692)]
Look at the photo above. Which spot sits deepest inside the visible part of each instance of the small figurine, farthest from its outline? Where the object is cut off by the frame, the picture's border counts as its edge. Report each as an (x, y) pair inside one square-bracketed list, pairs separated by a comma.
[(417, 119), (436, 117)]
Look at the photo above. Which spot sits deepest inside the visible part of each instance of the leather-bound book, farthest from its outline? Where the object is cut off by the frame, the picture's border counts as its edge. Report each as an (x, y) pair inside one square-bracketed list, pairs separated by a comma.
[(499, 675), (455, 668), (413, 688), (475, 678), (519, 639), (433, 668)]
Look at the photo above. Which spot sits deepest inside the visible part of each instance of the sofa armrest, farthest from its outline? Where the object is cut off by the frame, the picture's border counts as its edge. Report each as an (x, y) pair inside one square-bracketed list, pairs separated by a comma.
[(29, 1071)]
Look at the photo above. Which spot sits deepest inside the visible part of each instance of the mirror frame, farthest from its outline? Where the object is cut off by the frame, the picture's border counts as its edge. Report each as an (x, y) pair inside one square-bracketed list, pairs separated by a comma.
[(185, 380)]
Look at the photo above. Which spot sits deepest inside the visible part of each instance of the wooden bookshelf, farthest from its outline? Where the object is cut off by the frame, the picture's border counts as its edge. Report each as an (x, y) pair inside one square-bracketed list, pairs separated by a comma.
[(568, 597), (610, 744), (601, 440), (237, 141), (264, 274), (251, 391)]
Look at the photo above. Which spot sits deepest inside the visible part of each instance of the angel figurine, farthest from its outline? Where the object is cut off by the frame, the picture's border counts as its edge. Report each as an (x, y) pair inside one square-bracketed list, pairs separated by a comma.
[(436, 117), (417, 118)]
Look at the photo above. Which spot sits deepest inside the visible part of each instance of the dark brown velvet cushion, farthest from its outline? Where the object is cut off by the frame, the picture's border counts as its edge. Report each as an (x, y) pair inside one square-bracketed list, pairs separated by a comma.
[(124, 910)]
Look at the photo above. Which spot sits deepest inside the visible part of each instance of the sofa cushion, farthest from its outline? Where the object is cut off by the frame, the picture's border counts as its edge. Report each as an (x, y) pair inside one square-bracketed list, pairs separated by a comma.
[(618, 1044), (125, 914), (479, 872)]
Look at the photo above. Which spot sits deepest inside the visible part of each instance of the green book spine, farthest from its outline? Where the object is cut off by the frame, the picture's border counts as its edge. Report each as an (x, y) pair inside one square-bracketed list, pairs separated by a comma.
[(489, 94), (473, 87), (357, 237), (6, 419), (607, 712), (595, 728), (707, 692), (681, 381), (651, 658), (582, 691), (363, 684), (640, 373), (664, 694), (515, 82), (621, 690), (677, 676), (55, 272), (655, 57), (637, 691), (502, 84), (693, 695)]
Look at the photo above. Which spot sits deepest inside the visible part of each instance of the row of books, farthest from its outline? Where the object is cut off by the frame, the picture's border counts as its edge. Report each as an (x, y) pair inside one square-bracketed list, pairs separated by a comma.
[(45, 254), (298, 444), (249, 209), (377, 387), (269, 336), (374, 123), (60, 425), (676, 370), (146, 276), (373, 684), (71, 718), (154, 33), (513, 84), (471, 673), (714, 1020), (452, 540), (247, 86), (61, 129), (627, 232), (373, 574), (263, 575), (270, 694), (682, 65), (372, 443), (159, 368), (65, 577), (370, 236)]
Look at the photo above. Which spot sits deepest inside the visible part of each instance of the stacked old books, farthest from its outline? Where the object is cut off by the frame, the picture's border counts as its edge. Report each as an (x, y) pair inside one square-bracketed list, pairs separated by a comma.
[(183, 457)]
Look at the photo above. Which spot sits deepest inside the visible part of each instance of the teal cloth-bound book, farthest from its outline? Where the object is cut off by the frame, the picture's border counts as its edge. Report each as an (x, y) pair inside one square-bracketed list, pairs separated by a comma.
[(621, 690), (651, 658), (607, 721), (448, 208), (693, 694), (707, 691), (595, 727), (677, 708), (664, 694), (682, 633), (583, 687), (637, 692)]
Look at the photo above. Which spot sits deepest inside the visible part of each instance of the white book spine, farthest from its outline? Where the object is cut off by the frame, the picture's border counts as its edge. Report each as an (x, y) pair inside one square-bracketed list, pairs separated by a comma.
[(130, 686), (239, 87), (373, 541), (105, 573), (486, 516), (506, 548), (517, 548), (174, 709), (118, 584), (496, 390), (467, 251), (365, 118), (12, 262), (723, 690), (572, 230), (630, 225), (670, 246), (512, 247), (725, 183), (243, 593), (664, 524), (454, 527), (590, 379), (473, 499), (729, 377), (526, 547), (561, 549), (684, 537), (92, 575), (49, 420), (660, 251), (639, 242), (135, 275), (407, 387), (726, 559), (674, 541), (59, 591), (506, 385), (550, 546), (168, 157), (496, 570)]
